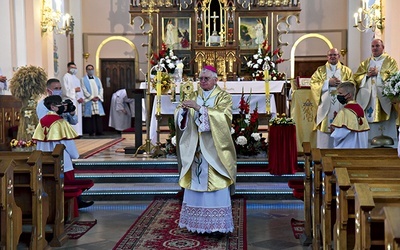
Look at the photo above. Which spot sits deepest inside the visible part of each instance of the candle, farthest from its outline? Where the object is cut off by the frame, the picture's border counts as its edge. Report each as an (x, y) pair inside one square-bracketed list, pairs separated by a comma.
[(158, 85), (158, 88), (359, 14), (267, 95), (355, 19)]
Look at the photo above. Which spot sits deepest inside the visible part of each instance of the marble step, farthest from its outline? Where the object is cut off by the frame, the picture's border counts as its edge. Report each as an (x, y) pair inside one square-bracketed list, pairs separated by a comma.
[(133, 186)]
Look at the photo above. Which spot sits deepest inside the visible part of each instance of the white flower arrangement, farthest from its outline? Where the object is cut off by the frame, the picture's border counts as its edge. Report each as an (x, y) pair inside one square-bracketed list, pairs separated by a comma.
[(241, 140), (256, 136), (281, 120), (392, 87)]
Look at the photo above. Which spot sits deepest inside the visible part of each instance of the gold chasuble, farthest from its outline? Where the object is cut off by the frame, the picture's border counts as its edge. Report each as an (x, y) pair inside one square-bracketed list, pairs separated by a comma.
[(325, 96), (216, 146), (377, 107), (53, 127)]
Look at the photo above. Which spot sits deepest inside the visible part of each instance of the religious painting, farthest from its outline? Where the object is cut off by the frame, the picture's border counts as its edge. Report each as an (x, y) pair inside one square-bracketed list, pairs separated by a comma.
[(176, 33), (252, 31)]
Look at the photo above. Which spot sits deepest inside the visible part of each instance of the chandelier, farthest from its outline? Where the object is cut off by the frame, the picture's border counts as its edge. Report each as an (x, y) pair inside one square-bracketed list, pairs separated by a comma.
[(369, 17), (54, 20)]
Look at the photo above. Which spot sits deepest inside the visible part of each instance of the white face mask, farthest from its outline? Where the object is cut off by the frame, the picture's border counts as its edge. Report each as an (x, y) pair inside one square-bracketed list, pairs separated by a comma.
[(90, 72), (73, 71)]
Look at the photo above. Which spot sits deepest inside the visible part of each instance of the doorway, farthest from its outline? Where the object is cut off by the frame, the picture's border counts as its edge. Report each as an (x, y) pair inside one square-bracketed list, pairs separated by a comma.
[(116, 74)]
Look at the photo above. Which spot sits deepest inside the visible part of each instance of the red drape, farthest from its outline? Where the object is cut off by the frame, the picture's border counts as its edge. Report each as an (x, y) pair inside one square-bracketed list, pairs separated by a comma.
[(282, 149)]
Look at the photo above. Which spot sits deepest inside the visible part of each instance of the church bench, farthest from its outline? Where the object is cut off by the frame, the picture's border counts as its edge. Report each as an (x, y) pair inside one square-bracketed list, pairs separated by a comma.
[(30, 196), (361, 170), (10, 213), (392, 227), (53, 184), (345, 207), (313, 183), (369, 200)]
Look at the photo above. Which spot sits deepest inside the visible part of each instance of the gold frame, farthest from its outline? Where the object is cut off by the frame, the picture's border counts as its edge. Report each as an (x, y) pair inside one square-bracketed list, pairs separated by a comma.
[(181, 24), (249, 23)]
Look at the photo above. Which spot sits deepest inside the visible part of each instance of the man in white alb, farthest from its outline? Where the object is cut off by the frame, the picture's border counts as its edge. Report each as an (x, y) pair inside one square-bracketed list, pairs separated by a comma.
[(71, 89)]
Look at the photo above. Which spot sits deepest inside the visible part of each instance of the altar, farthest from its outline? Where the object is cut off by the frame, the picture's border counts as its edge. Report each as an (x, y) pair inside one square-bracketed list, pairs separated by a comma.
[(256, 88)]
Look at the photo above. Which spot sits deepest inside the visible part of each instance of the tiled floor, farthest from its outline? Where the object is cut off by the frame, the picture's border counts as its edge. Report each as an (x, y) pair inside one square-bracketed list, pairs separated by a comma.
[(268, 221)]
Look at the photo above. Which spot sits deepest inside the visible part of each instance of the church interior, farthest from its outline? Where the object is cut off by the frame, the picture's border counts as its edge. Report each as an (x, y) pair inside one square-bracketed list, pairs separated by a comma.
[(265, 53)]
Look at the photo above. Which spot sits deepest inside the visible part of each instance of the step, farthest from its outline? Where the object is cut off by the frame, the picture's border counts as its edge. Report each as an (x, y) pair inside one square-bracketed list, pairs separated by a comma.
[(148, 191), (135, 186), (173, 177)]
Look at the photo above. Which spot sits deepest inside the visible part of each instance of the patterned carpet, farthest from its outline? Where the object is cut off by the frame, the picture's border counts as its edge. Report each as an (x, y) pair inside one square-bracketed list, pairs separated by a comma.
[(89, 147), (157, 228)]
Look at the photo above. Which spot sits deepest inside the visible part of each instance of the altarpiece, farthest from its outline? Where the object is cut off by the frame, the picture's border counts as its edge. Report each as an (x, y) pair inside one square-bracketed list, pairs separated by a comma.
[(222, 33)]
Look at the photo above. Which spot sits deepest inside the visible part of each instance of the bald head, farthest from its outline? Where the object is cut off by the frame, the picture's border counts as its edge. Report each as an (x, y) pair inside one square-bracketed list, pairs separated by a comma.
[(333, 56)]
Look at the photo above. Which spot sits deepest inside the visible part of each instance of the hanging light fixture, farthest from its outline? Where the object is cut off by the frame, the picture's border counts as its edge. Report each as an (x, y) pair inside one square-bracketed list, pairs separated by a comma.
[(54, 20), (369, 17)]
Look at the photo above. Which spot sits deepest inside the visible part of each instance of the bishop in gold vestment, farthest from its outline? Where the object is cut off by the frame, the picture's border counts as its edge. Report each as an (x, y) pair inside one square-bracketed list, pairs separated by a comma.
[(206, 157)]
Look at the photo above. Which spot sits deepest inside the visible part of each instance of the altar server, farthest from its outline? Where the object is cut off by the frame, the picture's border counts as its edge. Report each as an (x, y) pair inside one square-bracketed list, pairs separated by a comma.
[(71, 89), (350, 124), (206, 157)]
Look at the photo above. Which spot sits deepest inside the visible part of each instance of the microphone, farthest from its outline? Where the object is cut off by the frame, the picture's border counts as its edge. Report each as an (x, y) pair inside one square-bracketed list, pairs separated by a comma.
[(145, 75)]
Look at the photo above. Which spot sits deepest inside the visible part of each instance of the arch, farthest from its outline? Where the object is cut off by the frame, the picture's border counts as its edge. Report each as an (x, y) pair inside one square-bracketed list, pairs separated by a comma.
[(292, 51), (113, 38)]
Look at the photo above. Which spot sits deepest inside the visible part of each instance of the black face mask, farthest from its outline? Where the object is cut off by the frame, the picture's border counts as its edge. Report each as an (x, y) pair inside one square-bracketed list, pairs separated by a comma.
[(60, 109), (341, 99)]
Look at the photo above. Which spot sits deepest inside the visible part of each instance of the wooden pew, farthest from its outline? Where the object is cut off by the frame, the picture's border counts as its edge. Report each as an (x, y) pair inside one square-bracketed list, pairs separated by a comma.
[(30, 196), (363, 172), (10, 213), (392, 227), (374, 174), (369, 221), (53, 184), (313, 187)]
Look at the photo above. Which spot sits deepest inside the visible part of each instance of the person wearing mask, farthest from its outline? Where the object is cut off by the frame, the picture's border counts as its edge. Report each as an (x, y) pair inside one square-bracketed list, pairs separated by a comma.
[(324, 82), (370, 79), (54, 88), (206, 157), (71, 89), (120, 111), (52, 130), (350, 126), (93, 102)]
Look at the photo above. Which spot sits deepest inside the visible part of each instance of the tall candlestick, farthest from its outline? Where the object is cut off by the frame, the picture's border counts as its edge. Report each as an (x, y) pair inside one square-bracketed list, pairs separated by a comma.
[(267, 92), (158, 89)]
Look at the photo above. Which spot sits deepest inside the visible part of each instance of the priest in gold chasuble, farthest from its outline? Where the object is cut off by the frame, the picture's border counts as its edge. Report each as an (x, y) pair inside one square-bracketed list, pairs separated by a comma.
[(370, 79), (206, 157), (323, 89)]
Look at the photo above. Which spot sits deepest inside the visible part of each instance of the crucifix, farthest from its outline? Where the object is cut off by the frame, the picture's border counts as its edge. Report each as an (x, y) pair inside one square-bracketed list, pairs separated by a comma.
[(214, 17)]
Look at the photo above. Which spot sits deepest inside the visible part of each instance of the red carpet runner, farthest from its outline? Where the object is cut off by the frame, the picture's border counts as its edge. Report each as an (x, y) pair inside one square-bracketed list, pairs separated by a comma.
[(157, 228), (79, 228)]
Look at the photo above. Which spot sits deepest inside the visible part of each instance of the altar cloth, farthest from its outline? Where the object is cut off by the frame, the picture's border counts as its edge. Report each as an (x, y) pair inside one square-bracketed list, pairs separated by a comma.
[(282, 149)]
